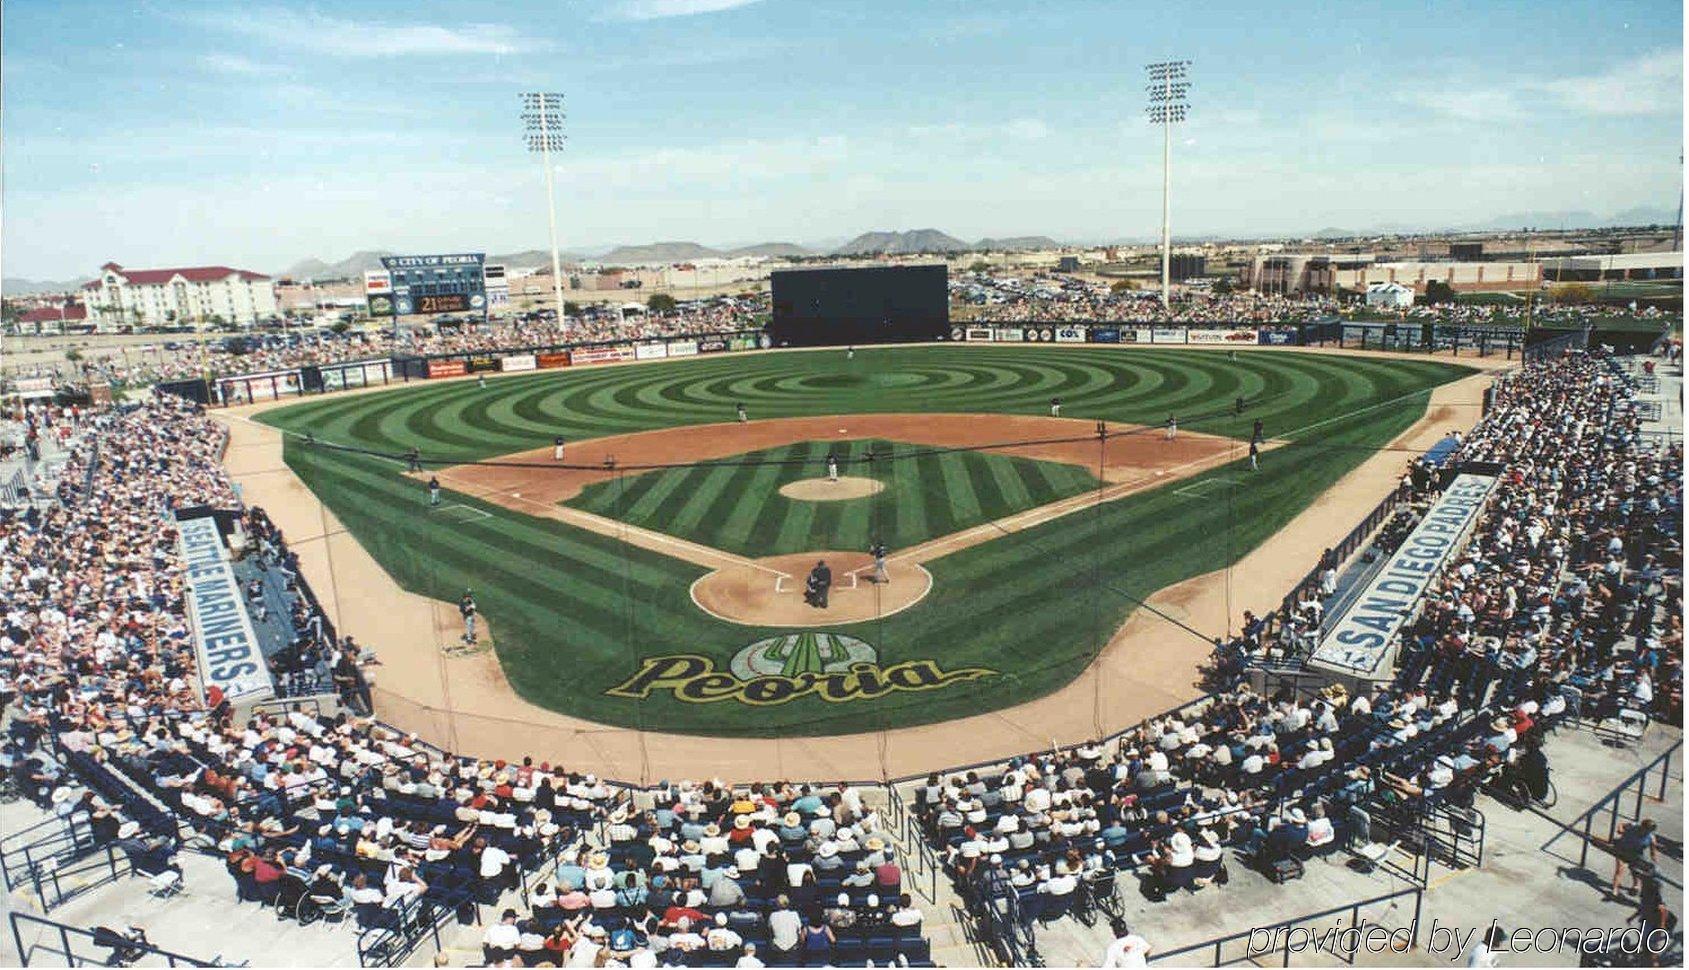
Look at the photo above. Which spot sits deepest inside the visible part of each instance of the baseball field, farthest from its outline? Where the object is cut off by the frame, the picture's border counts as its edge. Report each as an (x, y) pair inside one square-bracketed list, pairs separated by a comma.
[(654, 577)]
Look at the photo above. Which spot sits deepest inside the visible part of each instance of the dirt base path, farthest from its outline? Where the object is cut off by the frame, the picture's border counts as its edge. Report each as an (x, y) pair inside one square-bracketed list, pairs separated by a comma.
[(465, 703)]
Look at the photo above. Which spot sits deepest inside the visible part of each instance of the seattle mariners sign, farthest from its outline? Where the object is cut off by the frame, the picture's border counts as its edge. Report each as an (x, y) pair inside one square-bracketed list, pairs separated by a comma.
[(1362, 641), (831, 666), (230, 657)]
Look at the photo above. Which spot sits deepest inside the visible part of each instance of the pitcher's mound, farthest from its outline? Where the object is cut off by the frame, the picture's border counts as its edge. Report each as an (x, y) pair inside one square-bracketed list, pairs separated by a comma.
[(822, 490), (770, 592)]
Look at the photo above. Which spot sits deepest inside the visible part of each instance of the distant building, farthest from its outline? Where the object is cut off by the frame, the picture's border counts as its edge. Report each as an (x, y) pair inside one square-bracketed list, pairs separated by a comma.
[(190, 296), (53, 318), (1620, 266), (1067, 264), (1354, 272), (1389, 296)]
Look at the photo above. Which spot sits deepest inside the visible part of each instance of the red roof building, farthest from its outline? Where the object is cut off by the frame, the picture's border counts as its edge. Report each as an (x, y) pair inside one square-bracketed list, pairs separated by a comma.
[(183, 296)]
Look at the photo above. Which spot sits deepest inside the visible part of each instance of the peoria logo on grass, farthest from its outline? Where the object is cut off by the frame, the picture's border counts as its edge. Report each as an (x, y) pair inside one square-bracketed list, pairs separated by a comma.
[(830, 666)]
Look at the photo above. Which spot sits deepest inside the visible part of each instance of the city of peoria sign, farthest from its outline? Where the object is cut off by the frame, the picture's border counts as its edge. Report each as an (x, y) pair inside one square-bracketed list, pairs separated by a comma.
[(831, 666)]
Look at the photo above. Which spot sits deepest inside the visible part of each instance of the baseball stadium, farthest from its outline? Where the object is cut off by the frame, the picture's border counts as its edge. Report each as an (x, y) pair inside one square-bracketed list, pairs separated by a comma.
[(1272, 594)]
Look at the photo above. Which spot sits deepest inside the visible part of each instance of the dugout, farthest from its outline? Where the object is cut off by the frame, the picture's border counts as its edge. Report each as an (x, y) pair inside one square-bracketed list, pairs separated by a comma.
[(860, 305)]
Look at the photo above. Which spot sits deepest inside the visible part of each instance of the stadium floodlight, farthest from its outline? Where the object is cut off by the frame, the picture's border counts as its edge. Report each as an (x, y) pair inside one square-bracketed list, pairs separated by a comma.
[(542, 129), (1168, 106)]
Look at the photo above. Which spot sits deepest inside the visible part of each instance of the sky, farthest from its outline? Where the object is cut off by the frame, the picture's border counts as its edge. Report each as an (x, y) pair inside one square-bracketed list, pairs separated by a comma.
[(256, 134)]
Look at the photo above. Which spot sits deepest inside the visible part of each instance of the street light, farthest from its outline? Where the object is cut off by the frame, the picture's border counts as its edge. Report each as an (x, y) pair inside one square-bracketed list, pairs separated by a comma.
[(1167, 107), (542, 124)]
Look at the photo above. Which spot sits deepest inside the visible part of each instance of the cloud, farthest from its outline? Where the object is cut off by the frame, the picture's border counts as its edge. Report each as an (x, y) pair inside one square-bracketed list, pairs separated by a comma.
[(230, 64), (339, 37), (659, 9), (1648, 85), (1651, 84)]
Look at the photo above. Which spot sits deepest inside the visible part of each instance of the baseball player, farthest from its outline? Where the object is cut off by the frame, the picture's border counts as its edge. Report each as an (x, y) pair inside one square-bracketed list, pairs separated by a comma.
[(743, 416), (878, 551), (557, 448), (413, 459), (1240, 404), (832, 467), (850, 353), (481, 381), (1254, 455), (466, 608), (1259, 432), (433, 493), (1172, 426), (1055, 407)]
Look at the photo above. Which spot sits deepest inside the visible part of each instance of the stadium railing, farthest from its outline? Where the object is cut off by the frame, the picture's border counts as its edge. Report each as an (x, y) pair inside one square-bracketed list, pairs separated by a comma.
[(1612, 805), (29, 854), (413, 924), (78, 947), (1342, 944)]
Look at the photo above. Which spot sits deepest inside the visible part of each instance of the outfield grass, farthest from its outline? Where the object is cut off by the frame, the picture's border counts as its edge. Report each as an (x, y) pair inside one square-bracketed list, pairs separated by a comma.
[(736, 505), (576, 612)]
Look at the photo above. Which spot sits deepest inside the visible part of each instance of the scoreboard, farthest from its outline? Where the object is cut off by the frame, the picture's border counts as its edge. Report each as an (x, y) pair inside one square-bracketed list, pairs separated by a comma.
[(447, 283)]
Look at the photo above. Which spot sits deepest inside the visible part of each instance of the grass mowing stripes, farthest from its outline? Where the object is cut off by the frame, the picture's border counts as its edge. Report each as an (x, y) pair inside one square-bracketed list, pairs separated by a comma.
[(575, 612)]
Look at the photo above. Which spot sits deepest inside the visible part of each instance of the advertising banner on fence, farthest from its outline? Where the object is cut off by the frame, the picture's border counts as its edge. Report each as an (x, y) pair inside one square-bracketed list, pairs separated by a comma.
[(266, 386), (1278, 338), (978, 335), (1105, 335), (713, 345), (741, 343), (1009, 334), (600, 355), (357, 374), (1209, 335), (683, 348), (230, 657), (1167, 335), (1040, 335), (1070, 335), (556, 359), (447, 368), (482, 362), (650, 351), (1142, 335), (518, 362), (1362, 642)]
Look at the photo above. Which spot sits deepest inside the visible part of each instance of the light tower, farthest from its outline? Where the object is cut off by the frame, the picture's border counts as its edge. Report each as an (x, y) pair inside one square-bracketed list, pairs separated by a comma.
[(1167, 107), (542, 123)]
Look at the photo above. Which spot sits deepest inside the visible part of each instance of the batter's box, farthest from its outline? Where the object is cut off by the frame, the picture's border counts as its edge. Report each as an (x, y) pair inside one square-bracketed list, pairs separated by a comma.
[(1206, 486), (458, 512)]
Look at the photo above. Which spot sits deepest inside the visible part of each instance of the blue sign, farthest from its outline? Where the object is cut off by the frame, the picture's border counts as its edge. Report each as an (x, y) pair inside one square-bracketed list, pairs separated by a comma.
[(1105, 335)]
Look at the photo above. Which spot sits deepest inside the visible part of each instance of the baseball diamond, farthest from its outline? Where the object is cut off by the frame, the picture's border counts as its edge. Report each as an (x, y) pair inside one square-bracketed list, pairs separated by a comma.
[(590, 596)]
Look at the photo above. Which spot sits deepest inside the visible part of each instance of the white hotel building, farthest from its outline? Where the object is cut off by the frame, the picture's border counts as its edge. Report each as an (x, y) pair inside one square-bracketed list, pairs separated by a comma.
[(197, 296)]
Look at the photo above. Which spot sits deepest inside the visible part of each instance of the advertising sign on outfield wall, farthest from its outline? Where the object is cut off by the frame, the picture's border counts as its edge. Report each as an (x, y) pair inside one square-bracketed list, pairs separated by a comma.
[(1142, 335), (447, 368), (956, 333), (482, 362), (650, 351), (1009, 334), (1070, 335), (1040, 335), (548, 361), (600, 355), (741, 343), (1278, 338), (1208, 335), (1168, 335), (714, 345), (1363, 641), (355, 374), (519, 362), (683, 348), (979, 335), (230, 657), (1105, 335)]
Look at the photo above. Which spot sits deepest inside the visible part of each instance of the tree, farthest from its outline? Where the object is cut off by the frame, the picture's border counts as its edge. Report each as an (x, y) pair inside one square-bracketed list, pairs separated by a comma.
[(1222, 286), (979, 266), (1122, 286), (660, 303), (340, 326), (1438, 291), (571, 308), (1574, 293)]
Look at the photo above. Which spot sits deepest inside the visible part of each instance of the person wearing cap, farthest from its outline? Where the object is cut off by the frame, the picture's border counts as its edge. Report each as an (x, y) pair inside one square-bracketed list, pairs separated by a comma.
[(861, 878), (725, 891), (749, 960), (841, 915), (1128, 949), (499, 942)]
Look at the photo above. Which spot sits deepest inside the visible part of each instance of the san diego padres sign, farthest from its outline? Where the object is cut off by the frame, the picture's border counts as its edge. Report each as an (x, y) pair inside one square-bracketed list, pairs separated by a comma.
[(831, 666)]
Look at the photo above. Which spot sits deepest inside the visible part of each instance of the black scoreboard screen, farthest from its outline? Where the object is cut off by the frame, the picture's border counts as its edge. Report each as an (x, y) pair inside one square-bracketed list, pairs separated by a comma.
[(876, 304), (441, 303)]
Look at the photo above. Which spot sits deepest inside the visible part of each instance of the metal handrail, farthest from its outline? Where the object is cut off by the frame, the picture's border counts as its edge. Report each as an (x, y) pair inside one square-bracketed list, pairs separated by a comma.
[(66, 956), (1610, 803), (1274, 931)]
